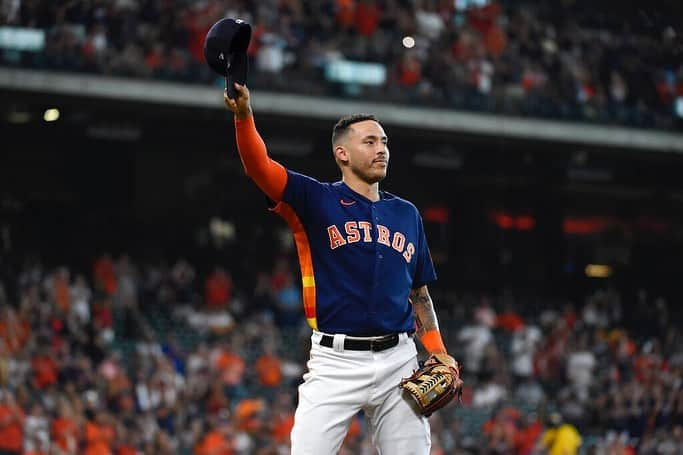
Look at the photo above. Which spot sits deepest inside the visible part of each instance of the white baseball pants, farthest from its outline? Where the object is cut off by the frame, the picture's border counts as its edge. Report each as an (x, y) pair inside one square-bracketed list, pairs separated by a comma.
[(341, 382)]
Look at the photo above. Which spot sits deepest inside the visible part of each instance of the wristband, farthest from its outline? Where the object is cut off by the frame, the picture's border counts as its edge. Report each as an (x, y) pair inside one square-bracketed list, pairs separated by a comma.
[(432, 342)]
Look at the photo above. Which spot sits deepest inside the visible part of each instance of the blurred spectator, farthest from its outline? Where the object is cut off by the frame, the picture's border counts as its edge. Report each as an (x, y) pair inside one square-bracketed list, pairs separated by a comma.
[(12, 421), (36, 431), (230, 366), (490, 393), (217, 441), (288, 301), (65, 428), (561, 438), (527, 438), (509, 319), (14, 329), (282, 420), (58, 289), (502, 431), (409, 71), (530, 391), (580, 365), (183, 276), (44, 370), (127, 288), (218, 289), (525, 341), (474, 339), (268, 367), (81, 296), (105, 275), (99, 435), (4, 365)]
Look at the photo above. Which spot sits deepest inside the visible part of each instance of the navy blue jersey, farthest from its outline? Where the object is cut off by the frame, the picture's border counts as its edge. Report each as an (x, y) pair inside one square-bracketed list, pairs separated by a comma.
[(359, 259)]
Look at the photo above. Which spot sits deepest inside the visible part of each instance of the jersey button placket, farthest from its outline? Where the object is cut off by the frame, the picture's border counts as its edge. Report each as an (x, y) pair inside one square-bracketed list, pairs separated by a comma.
[(373, 297), (378, 257)]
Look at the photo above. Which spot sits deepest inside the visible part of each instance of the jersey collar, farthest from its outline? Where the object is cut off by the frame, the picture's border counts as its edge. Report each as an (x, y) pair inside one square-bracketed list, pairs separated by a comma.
[(357, 196)]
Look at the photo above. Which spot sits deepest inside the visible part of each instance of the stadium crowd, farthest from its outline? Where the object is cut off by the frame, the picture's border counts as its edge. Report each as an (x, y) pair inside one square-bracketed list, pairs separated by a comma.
[(131, 358), (574, 60)]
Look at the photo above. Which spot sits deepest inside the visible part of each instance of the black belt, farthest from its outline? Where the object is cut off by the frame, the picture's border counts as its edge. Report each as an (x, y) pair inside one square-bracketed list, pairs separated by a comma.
[(375, 344)]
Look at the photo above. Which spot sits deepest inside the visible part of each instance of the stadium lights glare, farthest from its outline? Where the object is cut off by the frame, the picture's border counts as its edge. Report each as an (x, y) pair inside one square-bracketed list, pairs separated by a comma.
[(408, 42), (51, 115), (598, 271)]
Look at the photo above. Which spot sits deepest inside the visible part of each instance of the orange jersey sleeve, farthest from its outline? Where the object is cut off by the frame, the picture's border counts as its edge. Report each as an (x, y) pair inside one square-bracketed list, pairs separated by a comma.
[(269, 175)]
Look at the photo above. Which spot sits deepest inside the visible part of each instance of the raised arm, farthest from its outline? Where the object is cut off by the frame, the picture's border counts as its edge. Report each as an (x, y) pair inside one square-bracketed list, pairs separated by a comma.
[(269, 175)]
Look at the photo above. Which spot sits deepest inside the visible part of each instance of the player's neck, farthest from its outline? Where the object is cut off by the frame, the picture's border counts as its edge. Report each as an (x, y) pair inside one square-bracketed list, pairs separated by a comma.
[(365, 189)]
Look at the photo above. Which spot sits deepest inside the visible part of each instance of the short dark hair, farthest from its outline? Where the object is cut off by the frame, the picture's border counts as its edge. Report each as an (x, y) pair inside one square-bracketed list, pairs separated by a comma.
[(342, 126)]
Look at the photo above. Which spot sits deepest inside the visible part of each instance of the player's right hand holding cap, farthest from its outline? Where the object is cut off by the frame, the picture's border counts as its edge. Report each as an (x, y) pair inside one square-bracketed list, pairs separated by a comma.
[(240, 104)]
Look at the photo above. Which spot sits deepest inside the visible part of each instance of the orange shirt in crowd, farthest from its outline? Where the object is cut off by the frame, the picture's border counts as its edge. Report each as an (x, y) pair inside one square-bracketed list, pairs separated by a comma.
[(11, 427), (99, 439), (496, 41), (346, 12), (367, 18), (526, 438), (44, 371), (509, 321), (247, 414), (410, 72), (482, 19), (63, 430), (218, 290), (126, 450), (14, 336), (214, 443), (231, 367), (354, 431), (62, 293), (282, 428), (269, 370), (105, 276)]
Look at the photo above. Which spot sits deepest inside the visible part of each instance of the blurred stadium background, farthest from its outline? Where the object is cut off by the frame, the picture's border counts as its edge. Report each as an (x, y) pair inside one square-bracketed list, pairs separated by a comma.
[(149, 303)]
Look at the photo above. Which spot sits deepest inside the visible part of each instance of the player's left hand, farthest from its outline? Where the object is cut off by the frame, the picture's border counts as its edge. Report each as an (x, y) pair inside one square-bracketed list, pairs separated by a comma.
[(442, 358), (435, 384)]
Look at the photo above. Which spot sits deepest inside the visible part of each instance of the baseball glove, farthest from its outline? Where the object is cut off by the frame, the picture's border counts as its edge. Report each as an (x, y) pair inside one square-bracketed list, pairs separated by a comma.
[(435, 384)]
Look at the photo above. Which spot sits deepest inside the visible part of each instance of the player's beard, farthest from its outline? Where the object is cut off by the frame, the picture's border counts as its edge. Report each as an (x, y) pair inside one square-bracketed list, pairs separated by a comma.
[(370, 174)]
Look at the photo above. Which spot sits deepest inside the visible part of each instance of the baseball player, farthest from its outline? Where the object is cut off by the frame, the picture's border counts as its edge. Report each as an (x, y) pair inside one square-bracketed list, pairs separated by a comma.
[(364, 260)]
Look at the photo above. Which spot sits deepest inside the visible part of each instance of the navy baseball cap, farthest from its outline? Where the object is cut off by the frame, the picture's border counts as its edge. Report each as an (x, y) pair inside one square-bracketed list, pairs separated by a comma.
[(225, 50)]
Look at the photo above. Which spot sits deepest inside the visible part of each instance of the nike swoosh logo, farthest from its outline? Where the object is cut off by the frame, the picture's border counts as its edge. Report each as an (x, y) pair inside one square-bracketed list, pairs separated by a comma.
[(347, 203)]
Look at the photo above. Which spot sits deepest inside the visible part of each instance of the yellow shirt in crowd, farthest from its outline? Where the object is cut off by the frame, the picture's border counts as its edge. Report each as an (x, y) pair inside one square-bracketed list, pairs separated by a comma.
[(563, 440)]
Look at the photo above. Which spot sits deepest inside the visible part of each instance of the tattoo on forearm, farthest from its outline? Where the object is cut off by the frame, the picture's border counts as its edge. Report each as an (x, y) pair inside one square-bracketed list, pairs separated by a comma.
[(425, 316)]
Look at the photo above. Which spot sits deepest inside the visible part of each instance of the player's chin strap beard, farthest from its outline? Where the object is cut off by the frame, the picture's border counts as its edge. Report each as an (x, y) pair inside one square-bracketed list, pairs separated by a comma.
[(366, 177)]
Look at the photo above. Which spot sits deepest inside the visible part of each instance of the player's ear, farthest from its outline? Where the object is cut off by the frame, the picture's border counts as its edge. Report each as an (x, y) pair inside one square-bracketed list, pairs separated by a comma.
[(341, 154)]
